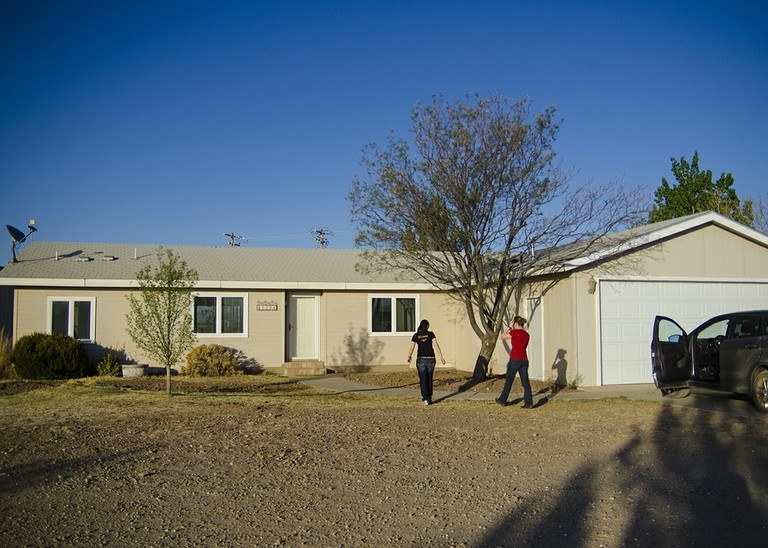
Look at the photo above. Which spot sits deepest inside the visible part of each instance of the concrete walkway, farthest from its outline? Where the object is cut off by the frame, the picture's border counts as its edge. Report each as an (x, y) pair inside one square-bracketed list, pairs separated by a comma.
[(338, 383), (702, 400)]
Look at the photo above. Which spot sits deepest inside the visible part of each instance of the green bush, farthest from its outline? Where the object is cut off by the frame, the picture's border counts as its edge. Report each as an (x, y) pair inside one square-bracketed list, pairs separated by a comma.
[(6, 363), (44, 356), (109, 366), (211, 360)]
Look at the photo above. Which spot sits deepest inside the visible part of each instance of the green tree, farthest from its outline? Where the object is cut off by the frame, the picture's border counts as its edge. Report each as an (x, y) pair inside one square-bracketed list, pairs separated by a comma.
[(159, 322), (695, 192), (465, 201)]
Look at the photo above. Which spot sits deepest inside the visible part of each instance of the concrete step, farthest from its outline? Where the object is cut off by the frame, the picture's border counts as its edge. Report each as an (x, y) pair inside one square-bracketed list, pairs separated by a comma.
[(300, 368)]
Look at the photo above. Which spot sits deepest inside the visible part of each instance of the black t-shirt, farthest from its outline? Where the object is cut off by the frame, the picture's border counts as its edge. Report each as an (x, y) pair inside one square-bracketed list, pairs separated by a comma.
[(424, 340)]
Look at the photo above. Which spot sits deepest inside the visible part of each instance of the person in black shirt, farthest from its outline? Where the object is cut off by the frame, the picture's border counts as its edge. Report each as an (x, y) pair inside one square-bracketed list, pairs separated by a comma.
[(425, 358)]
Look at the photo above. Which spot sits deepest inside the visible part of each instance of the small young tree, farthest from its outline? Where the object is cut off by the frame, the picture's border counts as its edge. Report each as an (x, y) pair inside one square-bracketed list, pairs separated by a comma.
[(159, 322)]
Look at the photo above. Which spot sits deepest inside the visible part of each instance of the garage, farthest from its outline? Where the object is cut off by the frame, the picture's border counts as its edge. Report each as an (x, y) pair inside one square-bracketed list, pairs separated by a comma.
[(627, 308)]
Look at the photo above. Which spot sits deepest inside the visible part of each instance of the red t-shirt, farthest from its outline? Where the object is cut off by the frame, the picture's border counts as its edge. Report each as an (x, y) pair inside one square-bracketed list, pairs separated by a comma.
[(519, 343)]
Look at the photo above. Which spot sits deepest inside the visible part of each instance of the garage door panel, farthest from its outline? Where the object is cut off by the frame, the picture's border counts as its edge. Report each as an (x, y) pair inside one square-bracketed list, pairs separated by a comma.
[(627, 309), (611, 331), (630, 330), (672, 290), (693, 309)]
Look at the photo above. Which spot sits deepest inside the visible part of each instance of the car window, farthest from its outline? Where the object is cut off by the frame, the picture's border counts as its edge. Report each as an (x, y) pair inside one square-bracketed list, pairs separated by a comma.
[(669, 331), (745, 326), (717, 329)]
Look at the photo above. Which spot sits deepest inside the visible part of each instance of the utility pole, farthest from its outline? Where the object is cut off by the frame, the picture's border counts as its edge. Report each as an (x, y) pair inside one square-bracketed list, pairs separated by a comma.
[(322, 235), (234, 239)]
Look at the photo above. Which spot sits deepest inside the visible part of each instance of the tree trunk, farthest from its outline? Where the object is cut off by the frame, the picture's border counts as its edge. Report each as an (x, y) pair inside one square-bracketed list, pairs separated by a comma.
[(168, 379), (487, 347)]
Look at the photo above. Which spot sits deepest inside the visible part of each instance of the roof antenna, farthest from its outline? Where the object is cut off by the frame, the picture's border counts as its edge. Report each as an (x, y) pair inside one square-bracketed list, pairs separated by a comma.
[(18, 237), (322, 235)]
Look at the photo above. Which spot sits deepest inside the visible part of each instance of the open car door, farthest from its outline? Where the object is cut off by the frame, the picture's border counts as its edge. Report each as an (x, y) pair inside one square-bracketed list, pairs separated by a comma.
[(670, 355)]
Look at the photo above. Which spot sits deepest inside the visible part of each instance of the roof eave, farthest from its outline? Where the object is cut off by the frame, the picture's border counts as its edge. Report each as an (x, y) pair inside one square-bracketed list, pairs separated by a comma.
[(667, 232)]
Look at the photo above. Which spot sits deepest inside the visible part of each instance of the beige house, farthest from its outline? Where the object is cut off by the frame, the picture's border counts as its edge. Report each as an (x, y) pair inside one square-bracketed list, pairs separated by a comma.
[(295, 307)]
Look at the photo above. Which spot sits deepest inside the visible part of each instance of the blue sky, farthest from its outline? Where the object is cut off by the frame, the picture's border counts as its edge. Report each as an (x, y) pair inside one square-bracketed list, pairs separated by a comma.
[(174, 122)]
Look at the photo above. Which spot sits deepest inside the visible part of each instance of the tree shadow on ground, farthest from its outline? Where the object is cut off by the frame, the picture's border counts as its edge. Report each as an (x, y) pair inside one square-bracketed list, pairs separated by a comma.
[(40, 472), (471, 383), (702, 486)]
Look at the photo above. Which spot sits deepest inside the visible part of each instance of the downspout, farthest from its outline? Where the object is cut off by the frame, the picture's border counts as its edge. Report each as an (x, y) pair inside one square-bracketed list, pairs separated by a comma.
[(575, 323)]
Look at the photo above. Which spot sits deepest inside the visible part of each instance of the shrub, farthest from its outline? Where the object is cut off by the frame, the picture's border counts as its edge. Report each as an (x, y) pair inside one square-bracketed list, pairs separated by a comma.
[(44, 356), (109, 366), (6, 348), (211, 360), (575, 382)]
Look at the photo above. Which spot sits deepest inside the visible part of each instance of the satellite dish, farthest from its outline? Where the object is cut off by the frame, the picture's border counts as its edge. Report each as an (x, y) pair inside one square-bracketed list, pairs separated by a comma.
[(18, 237)]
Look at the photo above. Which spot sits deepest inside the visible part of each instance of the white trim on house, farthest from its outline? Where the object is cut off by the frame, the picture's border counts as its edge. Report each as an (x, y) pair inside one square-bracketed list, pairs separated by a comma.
[(701, 279), (211, 284)]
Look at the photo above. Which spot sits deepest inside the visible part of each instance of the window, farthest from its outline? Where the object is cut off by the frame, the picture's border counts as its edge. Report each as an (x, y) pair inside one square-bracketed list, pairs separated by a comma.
[(745, 327), (219, 315), (73, 316), (393, 314), (717, 329)]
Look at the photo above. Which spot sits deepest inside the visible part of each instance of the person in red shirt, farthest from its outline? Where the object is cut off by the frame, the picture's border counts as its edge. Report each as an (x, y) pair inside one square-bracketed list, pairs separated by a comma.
[(518, 362)]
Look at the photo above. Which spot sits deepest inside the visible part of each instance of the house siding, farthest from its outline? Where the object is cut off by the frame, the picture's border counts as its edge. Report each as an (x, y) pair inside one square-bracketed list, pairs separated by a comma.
[(347, 334)]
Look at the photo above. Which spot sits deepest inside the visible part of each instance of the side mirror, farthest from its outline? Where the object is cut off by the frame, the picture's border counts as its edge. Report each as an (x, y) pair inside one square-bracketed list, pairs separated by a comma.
[(675, 338)]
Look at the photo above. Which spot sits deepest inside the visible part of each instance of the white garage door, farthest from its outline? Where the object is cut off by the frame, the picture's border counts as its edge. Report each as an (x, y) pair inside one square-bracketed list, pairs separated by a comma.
[(627, 309)]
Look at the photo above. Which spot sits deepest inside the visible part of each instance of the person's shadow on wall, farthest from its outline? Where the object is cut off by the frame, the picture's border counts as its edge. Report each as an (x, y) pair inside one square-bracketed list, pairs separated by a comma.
[(561, 366)]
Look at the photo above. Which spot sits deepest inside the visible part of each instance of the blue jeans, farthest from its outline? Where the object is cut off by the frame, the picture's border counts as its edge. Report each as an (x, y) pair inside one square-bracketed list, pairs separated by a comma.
[(513, 368), (426, 369)]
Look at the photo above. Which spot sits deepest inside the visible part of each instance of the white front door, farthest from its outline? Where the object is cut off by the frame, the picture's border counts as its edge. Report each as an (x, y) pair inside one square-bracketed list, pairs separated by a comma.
[(303, 327)]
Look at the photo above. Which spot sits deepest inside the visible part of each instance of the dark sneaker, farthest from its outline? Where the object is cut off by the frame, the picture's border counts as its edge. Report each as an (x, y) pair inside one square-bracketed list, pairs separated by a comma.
[(527, 407), (501, 403)]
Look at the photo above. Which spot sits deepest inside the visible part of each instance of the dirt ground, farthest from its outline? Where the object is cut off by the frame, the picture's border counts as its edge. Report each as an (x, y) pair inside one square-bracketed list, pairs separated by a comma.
[(263, 460)]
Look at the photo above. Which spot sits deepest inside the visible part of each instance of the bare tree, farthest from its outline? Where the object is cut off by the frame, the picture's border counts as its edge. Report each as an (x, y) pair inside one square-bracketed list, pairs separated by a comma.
[(463, 204), (761, 214)]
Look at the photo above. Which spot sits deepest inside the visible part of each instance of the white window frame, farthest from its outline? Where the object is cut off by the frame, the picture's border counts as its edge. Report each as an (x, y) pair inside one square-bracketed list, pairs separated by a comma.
[(218, 334), (417, 313), (71, 315)]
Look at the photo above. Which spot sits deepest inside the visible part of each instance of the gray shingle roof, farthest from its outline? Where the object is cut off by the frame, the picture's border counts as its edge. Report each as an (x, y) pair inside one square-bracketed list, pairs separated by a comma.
[(233, 267), (120, 262)]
